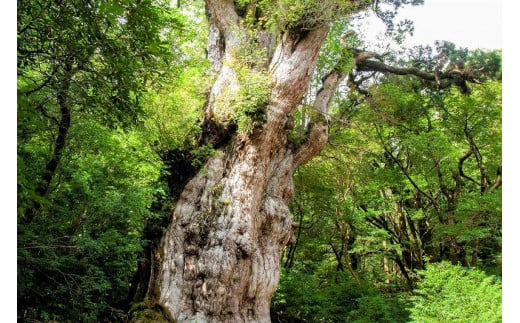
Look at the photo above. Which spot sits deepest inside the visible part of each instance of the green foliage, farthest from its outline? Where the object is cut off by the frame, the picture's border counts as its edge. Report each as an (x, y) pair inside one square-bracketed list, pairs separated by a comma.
[(147, 311), (243, 104), (305, 15), (336, 50), (76, 257), (322, 295), (388, 194), (252, 100), (106, 52), (172, 112), (425, 138), (375, 306), (487, 64), (87, 175), (449, 293), (173, 109)]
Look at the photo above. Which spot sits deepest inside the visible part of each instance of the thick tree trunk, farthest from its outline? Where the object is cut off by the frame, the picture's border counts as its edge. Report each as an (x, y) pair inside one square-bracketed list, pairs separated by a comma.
[(220, 256), (221, 253)]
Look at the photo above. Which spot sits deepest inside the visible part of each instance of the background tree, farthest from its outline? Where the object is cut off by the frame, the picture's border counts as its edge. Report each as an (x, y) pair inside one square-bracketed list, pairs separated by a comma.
[(362, 196), (86, 177)]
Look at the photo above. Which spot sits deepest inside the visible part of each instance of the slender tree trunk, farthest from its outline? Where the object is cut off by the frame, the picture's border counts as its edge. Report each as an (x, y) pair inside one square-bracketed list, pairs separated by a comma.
[(347, 258), (63, 129), (386, 267), (221, 253), (289, 263), (51, 167)]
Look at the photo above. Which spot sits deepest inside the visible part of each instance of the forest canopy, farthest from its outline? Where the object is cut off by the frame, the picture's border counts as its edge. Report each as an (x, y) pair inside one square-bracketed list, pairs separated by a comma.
[(252, 161)]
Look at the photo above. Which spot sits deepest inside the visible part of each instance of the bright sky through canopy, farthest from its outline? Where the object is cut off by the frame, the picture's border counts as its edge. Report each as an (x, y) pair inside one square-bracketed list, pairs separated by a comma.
[(467, 23)]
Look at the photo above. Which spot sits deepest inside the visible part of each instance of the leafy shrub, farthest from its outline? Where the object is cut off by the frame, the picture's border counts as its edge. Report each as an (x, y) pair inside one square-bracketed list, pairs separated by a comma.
[(450, 293), (378, 307), (309, 295)]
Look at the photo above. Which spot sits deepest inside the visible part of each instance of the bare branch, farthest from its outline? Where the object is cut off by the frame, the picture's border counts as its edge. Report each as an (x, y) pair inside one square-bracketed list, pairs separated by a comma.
[(484, 177), (407, 175), (43, 84), (324, 95), (460, 166), (498, 181)]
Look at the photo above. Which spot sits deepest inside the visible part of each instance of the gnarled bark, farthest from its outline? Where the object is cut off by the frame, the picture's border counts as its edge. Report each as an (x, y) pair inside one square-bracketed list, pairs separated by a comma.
[(221, 253)]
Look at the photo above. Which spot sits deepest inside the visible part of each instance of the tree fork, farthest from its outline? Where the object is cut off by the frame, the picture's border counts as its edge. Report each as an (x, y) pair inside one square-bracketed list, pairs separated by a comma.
[(220, 258)]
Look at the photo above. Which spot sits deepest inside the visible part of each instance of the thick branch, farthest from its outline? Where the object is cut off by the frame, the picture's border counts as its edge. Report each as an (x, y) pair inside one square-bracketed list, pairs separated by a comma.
[(63, 129), (59, 144), (314, 144), (318, 136), (223, 15), (329, 85), (360, 56), (292, 66), (366, 65), (454, 76)]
